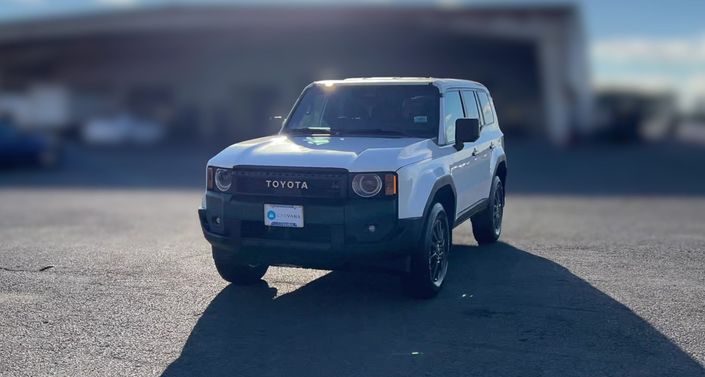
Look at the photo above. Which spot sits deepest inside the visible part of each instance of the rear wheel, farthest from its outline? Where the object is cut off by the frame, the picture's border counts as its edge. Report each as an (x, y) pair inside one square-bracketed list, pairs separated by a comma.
[(487, 224), (237, 273), (429, 263)]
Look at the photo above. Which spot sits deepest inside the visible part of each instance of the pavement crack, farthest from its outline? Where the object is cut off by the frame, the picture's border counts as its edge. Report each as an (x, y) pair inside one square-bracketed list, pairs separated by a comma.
[(26, 269)]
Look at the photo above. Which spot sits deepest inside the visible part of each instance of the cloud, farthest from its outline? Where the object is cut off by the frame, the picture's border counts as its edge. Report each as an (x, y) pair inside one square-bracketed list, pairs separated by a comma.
[(686, 50), (649, 83), (672, 64)]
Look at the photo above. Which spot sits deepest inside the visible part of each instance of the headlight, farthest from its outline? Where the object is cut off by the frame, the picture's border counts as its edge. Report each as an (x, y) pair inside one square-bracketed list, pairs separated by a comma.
[(367, 185), (223, 179)]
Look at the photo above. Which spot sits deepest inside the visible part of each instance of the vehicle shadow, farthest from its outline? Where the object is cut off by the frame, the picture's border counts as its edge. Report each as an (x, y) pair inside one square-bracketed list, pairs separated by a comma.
[(504, 312)]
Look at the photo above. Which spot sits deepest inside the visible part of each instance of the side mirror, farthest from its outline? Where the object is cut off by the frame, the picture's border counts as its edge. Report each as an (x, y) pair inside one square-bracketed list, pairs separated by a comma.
[(466, 131)]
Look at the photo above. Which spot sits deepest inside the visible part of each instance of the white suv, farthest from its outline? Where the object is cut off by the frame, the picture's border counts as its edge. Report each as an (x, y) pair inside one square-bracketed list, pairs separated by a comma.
[(369, 171)]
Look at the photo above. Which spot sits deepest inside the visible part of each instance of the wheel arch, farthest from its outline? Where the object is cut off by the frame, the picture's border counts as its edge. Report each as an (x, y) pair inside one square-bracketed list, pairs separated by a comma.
[(443, 192), (501, 171)]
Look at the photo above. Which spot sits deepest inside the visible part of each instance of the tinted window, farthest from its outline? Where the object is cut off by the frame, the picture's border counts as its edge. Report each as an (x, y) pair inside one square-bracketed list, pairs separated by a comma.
[(367, 110), (453, 111), (470, 102), (486, 106)]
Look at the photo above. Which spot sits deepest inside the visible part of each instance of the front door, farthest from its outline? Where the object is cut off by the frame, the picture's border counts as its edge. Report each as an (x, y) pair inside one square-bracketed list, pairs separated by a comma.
[(465, 164)]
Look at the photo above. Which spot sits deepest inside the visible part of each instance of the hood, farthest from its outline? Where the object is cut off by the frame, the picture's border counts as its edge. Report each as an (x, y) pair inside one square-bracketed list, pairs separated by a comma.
[(356, 154)]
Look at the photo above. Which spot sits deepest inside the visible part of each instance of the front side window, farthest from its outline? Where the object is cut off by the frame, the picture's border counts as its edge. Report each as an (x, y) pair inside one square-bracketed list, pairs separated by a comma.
[(486, 106), (453, 111), (367, 110)]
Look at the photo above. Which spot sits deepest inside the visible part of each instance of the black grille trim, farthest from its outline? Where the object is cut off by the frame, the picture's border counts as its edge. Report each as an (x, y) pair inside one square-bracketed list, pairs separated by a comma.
[(321, 182)]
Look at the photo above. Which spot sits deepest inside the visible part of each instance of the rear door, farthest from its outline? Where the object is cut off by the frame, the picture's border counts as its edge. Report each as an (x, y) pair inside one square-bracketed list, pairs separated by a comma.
[(489, 137)]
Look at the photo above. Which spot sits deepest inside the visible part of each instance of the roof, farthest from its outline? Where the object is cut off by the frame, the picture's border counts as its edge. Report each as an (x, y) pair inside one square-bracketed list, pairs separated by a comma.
[(441, 83), (285, 16)]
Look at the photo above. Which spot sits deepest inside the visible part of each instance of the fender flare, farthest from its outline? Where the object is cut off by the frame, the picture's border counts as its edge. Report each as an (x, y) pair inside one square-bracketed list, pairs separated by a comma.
[(501, 159), (445, 180)]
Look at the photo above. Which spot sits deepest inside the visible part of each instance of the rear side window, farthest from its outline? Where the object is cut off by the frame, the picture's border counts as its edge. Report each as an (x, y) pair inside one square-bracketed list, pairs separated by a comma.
[(470, 103), (486, 106), (453, 110)]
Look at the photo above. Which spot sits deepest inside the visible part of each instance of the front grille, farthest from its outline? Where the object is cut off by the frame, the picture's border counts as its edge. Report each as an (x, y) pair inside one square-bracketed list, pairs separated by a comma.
[(290, 182)]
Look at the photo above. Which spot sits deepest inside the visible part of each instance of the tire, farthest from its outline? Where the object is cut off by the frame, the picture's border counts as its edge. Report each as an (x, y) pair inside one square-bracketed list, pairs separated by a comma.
[(487, 224), (237, 273), (429, 262)]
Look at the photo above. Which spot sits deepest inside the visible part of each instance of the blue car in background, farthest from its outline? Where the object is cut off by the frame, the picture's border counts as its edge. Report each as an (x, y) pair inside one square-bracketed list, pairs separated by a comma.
[(25, 148)]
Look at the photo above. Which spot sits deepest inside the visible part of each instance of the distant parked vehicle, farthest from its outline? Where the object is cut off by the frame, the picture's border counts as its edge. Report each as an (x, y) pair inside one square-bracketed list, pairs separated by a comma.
[(121, 129), (22, 148), (629, 116)]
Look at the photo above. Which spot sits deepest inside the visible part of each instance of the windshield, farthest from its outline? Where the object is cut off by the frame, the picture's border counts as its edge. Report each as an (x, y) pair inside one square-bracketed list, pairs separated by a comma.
[(367, 110)]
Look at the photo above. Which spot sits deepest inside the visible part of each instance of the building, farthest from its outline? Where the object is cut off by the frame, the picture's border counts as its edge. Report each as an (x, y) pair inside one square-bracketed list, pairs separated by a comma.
[(216, 72)]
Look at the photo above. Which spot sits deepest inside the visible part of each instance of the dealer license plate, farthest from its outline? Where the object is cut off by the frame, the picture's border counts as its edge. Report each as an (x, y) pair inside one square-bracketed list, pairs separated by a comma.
[(289, 216)]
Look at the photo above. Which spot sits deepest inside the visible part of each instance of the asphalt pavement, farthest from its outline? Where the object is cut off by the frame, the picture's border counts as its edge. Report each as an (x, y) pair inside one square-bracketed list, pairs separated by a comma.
[(600, 272)]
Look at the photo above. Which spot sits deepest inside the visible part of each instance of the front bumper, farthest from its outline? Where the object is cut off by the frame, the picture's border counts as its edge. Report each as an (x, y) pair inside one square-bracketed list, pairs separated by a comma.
[(335, 233)]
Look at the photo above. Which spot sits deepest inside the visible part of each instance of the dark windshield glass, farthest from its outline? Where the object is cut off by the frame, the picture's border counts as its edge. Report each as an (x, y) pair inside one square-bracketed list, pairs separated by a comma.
[(376, 110)]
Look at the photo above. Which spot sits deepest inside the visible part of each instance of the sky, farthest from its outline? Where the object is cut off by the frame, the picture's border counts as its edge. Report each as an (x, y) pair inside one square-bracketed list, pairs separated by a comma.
[(651, 44)]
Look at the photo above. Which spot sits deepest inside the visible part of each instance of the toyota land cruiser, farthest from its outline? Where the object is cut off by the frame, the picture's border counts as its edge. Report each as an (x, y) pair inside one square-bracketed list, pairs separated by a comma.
[(363, 171)]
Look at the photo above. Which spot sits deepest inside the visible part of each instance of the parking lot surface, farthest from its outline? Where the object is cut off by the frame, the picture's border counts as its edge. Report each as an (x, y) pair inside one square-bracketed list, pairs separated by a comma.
[(600, 272)]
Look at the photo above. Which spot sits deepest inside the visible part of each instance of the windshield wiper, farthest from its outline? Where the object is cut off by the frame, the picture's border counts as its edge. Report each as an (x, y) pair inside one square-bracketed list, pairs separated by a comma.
[(376, 131), (309, 131)]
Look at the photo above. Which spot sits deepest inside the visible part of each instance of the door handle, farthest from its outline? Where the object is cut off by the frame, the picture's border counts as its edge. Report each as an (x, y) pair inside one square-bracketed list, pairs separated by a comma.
[(492, 145), (475, 152)]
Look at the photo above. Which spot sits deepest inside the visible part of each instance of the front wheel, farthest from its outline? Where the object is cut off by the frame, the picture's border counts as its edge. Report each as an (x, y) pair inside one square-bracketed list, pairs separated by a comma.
[(429, 263), (237, 273), (487, 224)]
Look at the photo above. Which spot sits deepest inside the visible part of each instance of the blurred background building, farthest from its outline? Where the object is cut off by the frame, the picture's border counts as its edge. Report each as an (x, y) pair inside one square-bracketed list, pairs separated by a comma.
[(221, 72), (126, 72)]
